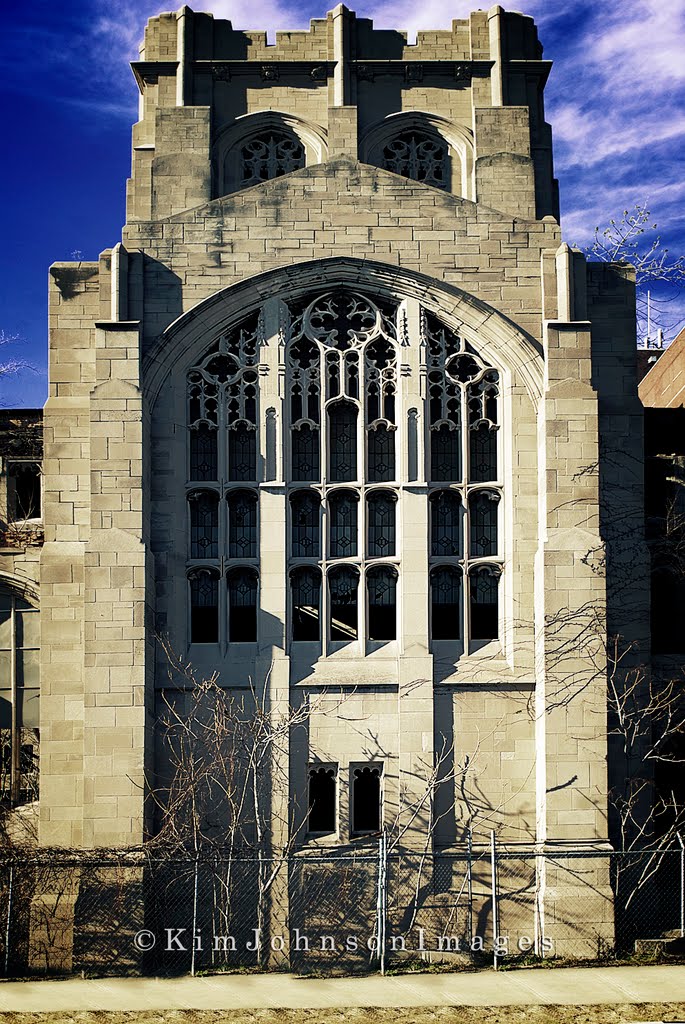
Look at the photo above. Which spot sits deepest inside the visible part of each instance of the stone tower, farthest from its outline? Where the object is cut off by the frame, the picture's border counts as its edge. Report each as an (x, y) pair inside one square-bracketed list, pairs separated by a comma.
[(328, 416)]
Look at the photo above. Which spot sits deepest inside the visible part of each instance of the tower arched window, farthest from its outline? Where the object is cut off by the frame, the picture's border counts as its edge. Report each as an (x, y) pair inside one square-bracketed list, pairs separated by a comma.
[(342, 434), (305, 513), (342, 519), (270, 155), (204, 606), (446, 517), (483, 523), (418, 155), (484, 598), (381, 585), (446, 611)]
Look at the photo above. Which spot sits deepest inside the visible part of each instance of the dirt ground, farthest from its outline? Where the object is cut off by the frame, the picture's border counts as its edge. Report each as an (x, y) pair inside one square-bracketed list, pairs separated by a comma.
[(626, 1013)]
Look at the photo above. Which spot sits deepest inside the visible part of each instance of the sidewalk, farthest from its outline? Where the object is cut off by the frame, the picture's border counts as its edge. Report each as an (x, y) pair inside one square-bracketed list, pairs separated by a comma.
[(569, 986)]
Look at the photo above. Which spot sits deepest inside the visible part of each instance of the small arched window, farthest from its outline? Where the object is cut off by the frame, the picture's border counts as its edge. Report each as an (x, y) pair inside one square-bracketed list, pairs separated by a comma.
[(418, 155), (381, 524), (203, 453), (342, 516), (242, 606), (305, 513), (204, 524), (446, 603), (242, 524), (484, 604), (483, 523), (446, 524), (204, 606), (270, 155), (381, 585), (343, 584), (306, 603), (322, 798)]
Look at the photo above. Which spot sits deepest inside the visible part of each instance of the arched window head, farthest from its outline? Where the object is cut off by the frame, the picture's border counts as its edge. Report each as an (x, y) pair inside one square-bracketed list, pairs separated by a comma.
[(305, 512), (343, 584), (463, 397), (305, 586), (242, 606), (204, 606), (484, 602), (242, 524), (446, 516), (380, 520), (366, 798), (418, 155), (222, 407), (342, 524), (483, 523), (270, 155), (19, 697), (446, 613), (381, 585), (204, 524)]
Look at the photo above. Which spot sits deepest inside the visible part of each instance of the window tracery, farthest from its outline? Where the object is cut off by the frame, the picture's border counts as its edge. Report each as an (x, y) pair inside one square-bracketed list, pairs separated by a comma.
[(268, 156), (418, 155)]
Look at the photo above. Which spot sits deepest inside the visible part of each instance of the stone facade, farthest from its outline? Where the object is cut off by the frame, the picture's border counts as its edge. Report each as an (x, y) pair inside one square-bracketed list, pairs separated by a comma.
[(343, 161)]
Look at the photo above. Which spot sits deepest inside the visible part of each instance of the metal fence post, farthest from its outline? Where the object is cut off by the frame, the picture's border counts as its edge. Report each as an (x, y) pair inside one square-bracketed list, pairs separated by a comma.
[(382, 898), (682, 884), (495, 922), (9, 919), (469, 879)]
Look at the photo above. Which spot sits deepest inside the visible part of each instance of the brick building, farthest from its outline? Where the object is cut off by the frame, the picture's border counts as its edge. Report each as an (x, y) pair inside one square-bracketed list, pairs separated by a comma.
[(328, 416)]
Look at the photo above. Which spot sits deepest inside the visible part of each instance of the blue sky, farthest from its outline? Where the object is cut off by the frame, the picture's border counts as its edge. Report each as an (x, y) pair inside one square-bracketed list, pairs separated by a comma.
[(615, 99)]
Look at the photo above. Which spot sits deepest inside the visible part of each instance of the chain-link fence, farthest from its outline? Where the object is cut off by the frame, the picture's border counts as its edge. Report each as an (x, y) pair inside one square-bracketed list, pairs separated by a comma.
[(342, 913)]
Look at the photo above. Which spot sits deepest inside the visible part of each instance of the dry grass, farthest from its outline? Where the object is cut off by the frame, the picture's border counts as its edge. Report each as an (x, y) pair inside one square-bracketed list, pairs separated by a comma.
[(625, 1013)]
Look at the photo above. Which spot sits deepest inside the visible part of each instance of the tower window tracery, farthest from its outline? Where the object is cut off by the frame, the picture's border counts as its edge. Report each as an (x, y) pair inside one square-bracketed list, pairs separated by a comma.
[(270, 155), (418, 155)]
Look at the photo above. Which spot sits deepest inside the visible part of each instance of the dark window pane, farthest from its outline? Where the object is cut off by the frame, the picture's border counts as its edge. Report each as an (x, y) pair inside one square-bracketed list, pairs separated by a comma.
[(343, 585), (306, 601), (483, 523), (381, 524), (204, 608), (445, 602), (24, 490), (242, 453), (242, 524), (446, 520), (445, 453), (305, 453), (381, 442), (204, 524), (203, 454), (418, 155), (342, 419), (322, 802), (484, 584), (305, 510), (382, 590), (242, 606), (366, 799), (342, 512), (483, 454)]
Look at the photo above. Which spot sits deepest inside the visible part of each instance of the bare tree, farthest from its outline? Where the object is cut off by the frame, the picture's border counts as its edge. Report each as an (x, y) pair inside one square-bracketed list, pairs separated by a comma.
[(632, 239)]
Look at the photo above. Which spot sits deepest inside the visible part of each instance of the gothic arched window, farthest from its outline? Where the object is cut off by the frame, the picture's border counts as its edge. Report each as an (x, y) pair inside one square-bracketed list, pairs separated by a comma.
[(446, 613), (342, 442), (342, 518), (204, 606), (204, 524), (463, 407), (270, 155), (446, 513), (242, 605), (305, 512), (381, 585), (305, 586), (380, 519), (418, 155), (343, 584), (242, 524)]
